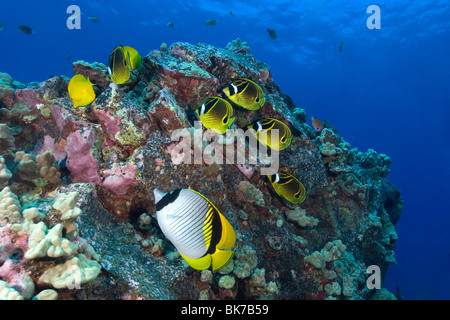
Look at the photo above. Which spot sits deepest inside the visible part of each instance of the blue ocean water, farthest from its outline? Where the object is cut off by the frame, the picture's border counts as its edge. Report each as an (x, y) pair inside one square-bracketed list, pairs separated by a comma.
[(388, 89)]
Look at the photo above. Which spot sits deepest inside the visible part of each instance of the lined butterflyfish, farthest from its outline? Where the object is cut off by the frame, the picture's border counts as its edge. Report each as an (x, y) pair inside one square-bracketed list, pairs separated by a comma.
[(245, 93), (81, 91), (288, 187), (133, 57), (119, 65), (264, 130), (216, 114), (195, 227)]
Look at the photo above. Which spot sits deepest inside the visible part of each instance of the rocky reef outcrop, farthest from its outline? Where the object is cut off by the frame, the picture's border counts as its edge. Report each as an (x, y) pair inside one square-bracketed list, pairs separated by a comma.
[(77, 213)]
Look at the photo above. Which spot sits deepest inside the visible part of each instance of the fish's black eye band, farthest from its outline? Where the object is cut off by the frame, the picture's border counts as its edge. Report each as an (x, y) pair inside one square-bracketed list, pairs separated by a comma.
[(231, 89), (167, 199)]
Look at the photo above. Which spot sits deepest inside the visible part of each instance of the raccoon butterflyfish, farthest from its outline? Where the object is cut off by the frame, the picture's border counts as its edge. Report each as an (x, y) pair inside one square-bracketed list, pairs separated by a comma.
[(272, 34), (317, 124), (195, 227), (216, 114), (246, 94), (288, 187), (119, 66), (263, 129), (133, 57), (81, 91)]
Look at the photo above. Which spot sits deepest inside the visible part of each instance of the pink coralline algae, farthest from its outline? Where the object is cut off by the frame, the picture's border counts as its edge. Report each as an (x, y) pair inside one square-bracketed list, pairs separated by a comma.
[(80, 161), (110, 124), (118, 179), (13, 245), (49, 144)]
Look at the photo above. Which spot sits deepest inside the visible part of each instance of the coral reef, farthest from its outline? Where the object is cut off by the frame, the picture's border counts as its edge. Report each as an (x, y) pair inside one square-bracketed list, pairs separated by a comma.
[(77, 213)]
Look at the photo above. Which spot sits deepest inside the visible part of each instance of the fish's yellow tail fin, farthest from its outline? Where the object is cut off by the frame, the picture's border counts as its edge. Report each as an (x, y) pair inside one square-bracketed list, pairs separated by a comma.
[(220, 258), (198, 264)]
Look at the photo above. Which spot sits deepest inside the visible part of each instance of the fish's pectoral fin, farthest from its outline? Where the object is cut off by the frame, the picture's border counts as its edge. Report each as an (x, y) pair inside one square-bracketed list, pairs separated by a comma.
[(221, 258), (200, 263)]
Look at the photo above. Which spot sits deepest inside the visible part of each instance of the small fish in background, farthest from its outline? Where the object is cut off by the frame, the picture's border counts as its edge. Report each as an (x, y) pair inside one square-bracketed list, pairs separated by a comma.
[(340, 46), (231, 13), (94, 19), (3, 26), (211, 22), (133, 57), (272, 34), (216, 114), (69, 57), (245, 93), (119, 66), (81, 91), (195, 227), (262, 130), (170, 25), (25, 29), (288, 187), (317, 124)]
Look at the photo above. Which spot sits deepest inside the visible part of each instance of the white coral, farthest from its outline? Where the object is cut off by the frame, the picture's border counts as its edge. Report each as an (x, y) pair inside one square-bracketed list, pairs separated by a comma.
[(65, 204), (8, 293), (51, 244), (5, 174), (9, 206), (299, 215), (72, 273)]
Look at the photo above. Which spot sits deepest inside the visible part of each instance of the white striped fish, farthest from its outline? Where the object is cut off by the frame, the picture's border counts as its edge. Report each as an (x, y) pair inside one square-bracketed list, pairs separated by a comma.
[(195, 227)]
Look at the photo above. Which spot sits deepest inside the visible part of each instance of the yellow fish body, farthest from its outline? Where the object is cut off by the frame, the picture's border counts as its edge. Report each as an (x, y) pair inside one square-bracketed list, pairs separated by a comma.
[(216, 114), (81, 91), (195, 227), (245, 93), (263, 130), (119, 65), (288, 187), (132, 57)]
